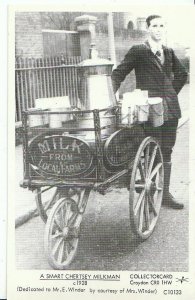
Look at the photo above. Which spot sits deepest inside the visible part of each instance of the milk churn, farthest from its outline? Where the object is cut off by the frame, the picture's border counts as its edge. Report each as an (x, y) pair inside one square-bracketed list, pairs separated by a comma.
[(96, 90)]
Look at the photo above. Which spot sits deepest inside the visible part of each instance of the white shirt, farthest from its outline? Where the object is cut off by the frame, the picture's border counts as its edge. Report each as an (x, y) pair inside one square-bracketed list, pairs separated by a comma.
[(157, 47)]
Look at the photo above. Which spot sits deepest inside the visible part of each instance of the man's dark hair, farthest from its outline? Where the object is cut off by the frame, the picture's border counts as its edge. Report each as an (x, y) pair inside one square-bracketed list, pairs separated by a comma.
[(150, 18)]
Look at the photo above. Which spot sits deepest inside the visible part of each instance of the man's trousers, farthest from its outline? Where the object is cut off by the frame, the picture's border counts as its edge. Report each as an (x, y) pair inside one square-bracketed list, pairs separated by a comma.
[(166, 136)]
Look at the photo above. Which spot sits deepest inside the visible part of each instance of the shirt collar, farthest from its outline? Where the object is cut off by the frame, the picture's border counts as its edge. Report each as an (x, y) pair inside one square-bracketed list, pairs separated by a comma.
[(155, 46)]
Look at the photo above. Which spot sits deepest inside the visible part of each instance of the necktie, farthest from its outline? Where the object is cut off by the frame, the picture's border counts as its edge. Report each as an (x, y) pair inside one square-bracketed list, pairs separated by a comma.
[(158, 53), (159, 56)]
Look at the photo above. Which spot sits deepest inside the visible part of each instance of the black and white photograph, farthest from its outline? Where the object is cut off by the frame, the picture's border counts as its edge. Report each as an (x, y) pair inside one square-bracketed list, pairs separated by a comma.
[(102, 150)]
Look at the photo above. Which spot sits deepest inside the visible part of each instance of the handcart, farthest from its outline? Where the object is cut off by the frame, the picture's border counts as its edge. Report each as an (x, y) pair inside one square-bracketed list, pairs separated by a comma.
[(74, 160)]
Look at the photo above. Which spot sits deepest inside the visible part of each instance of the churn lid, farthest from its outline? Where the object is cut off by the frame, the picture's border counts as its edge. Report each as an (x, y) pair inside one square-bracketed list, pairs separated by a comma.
[(94, 60)]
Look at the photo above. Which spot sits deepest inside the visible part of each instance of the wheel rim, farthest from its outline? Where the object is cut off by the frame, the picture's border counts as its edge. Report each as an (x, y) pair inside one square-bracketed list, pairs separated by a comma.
[(61, 234), (146, 188)]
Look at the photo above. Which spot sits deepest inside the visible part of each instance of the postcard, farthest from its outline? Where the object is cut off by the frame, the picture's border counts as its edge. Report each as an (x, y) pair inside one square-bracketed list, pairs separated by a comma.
[(101, 152)]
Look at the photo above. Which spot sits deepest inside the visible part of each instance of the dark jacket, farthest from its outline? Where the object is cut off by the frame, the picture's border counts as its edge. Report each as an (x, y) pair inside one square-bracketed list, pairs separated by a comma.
[(163, 81)]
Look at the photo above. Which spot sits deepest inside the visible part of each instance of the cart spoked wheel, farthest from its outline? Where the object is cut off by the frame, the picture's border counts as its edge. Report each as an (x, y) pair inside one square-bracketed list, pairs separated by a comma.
[(146, 188), (61, 233), (62, 228)]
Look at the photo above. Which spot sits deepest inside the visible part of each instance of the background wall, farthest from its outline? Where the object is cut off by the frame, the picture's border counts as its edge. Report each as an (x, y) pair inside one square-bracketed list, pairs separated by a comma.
[(28, 35)]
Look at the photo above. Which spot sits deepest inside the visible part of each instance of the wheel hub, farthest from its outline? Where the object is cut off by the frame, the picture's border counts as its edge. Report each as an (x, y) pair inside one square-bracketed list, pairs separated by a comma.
[(150, 186), (65, 232)]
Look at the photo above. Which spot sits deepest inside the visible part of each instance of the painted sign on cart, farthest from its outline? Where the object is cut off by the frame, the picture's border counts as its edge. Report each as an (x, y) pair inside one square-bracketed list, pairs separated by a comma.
[(122, 146), (58, 155)]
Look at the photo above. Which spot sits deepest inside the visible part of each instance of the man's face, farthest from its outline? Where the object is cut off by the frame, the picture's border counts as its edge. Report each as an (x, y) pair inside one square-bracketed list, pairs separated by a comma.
[(156, 29)]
